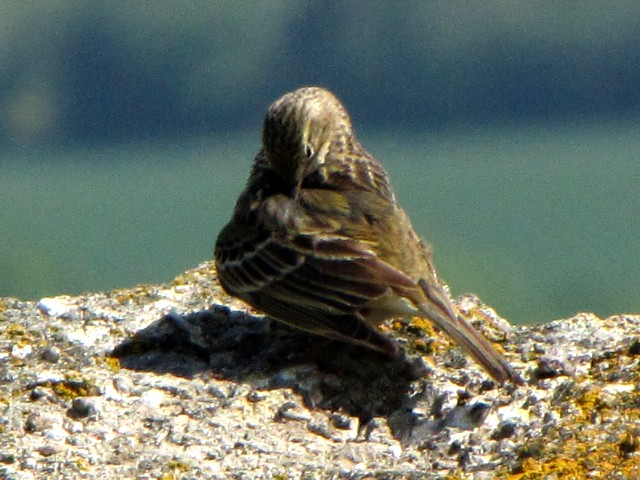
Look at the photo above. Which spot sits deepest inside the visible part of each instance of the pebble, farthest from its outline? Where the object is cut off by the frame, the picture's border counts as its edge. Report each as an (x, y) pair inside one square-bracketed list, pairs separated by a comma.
[(84, 406), (50, 354), (55, 306)]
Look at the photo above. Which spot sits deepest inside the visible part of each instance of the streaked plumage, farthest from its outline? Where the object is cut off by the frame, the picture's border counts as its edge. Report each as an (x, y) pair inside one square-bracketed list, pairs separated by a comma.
[(317, 240)]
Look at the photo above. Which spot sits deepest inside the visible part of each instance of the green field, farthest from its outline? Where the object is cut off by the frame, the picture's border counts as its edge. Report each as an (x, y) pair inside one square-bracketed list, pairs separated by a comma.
[(541, 222)]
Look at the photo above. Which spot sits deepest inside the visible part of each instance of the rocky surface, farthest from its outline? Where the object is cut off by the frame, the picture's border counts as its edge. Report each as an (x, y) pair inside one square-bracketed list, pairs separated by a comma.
[(181, 381)]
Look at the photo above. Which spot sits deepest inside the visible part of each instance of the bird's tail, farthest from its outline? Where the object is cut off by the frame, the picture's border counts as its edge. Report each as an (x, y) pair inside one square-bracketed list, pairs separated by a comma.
[(439, 309)]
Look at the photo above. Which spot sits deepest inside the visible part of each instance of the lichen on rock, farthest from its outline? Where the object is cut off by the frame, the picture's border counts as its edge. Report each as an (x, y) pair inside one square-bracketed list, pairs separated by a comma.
[(182, 381)]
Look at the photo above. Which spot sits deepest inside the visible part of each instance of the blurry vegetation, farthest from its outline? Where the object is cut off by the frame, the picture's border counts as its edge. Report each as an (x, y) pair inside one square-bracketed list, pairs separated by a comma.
[(87, 71)]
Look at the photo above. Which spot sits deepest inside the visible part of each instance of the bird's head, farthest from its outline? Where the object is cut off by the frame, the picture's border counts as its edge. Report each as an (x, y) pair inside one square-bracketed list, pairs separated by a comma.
[(300, 129)]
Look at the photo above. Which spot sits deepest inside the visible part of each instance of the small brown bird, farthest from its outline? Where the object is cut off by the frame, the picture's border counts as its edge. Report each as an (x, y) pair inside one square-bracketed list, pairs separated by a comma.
[(318, 241)]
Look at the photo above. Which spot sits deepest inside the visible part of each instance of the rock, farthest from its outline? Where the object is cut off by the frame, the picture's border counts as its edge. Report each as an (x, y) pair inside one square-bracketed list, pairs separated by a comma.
[(182, 381)]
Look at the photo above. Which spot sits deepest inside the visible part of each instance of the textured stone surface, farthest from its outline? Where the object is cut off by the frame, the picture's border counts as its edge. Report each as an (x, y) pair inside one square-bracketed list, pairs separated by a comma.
[(181, 381)]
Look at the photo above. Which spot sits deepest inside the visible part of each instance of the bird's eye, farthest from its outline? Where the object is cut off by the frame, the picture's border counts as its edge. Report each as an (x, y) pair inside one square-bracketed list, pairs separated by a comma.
[(308, 150)]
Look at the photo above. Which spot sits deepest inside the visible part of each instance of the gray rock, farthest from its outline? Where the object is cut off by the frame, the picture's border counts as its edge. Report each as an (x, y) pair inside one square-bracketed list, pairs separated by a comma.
[(182, 381)]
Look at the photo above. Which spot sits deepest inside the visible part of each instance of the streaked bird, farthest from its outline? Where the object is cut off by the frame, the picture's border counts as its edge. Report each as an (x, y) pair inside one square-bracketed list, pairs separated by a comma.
[(318, 241)]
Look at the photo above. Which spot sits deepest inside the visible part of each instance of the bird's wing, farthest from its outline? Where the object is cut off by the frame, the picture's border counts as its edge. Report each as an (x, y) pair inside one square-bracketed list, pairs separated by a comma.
[(305, 258), (308, 262)]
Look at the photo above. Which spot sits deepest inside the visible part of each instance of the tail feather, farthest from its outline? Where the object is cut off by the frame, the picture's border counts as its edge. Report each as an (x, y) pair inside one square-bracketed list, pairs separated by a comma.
[(444, 315)]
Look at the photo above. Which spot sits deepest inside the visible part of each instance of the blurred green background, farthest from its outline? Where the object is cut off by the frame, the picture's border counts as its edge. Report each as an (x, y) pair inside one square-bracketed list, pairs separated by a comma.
[(511, 131)]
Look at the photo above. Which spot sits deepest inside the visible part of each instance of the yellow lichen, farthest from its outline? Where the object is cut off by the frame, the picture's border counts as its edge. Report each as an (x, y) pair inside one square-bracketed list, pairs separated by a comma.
[(74, 386), (422, 326), (136, 295), (422, 346), (175, 467), (180, 280), (15, 330), (591, 449), (112, 363), (82, 464)]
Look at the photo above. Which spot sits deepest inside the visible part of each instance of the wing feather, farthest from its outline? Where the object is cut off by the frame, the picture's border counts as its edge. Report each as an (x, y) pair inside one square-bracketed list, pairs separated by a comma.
[(290, 258)]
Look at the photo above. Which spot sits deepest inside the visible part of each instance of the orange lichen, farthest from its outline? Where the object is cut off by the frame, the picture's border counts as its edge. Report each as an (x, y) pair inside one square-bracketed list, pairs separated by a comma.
[(598, 439)]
